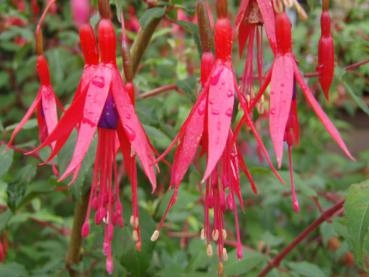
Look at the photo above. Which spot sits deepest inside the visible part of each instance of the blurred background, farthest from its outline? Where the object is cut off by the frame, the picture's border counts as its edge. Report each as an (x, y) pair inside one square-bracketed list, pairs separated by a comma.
[(37, 212)]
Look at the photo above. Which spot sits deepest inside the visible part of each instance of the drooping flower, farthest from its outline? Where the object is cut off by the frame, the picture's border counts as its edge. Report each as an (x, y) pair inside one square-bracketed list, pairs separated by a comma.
[(281, 77), (325, 51), (45, 104), (253, 15), (208, 125), (104, 106)]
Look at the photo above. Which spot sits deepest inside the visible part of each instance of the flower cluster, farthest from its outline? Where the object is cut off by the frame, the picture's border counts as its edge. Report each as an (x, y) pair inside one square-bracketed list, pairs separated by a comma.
[(104, 107)]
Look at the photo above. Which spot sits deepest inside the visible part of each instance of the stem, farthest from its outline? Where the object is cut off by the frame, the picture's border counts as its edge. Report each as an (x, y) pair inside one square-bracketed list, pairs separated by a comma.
[(325, 216), (38, 34), (348, 68), (159, 90), (74, 248), (104, 9), (142, 41), (325, 5), (206, 36)]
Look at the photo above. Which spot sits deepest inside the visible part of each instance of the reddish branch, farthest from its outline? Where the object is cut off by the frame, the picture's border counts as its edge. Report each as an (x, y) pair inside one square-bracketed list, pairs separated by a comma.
[(336, 209), (22, 151), (350, 67), (160, 90)]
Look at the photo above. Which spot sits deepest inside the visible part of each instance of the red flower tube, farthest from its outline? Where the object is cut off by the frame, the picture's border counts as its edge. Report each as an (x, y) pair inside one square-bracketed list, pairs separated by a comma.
[(104, 106)]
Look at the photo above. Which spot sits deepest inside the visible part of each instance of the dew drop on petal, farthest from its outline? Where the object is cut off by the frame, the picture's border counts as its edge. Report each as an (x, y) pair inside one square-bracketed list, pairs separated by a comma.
[(215, 112), (130, 132), (230, 93), (229, 112), (215, 77), (128, 116), (98, 81), (202, 108), (273, 111)]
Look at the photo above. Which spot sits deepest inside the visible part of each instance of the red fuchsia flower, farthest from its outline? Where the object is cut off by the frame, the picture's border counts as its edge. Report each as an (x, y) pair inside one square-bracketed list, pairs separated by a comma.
[(103, 105), (209, 124), (80, 11), (46, 102), (326, 51), (281, 76), (252, 16)]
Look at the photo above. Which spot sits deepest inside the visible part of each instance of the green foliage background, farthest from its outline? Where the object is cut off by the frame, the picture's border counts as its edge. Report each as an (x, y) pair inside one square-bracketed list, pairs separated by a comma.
[(30, 195)]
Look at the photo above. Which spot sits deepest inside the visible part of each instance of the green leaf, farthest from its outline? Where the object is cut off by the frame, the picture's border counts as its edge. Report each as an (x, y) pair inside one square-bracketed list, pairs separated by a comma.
[(4, 219), (6, 159), (150, 15), (357, 218), (306, 269), (235, 267), (13, 270), (361, 104)]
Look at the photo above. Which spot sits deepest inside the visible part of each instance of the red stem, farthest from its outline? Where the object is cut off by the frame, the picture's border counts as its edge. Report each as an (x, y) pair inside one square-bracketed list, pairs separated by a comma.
[(325, 216), (350, 67), (159, 90)]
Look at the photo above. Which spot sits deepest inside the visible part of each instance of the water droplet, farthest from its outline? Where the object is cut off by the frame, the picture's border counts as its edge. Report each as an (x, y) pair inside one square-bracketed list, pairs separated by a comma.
[(272, 92), (215, 112), (98, 81), (229, 112), (282, 85), (222, 83), (128, 116), (273, 111), (130, 133), (215, 77), (230, 93), (202, 108), (211, 101)]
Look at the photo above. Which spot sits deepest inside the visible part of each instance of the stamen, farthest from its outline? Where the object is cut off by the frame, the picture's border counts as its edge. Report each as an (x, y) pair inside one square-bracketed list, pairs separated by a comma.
[(135, 235), (225, 254), (209, 250), (202, 234), (155, 235), (215, 235)]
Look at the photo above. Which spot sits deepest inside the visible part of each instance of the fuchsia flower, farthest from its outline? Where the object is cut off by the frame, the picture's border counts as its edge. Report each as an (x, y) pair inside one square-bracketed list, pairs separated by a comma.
[(102, 104), (45, 104), (252, 16), (209, 123), (283, 110)]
